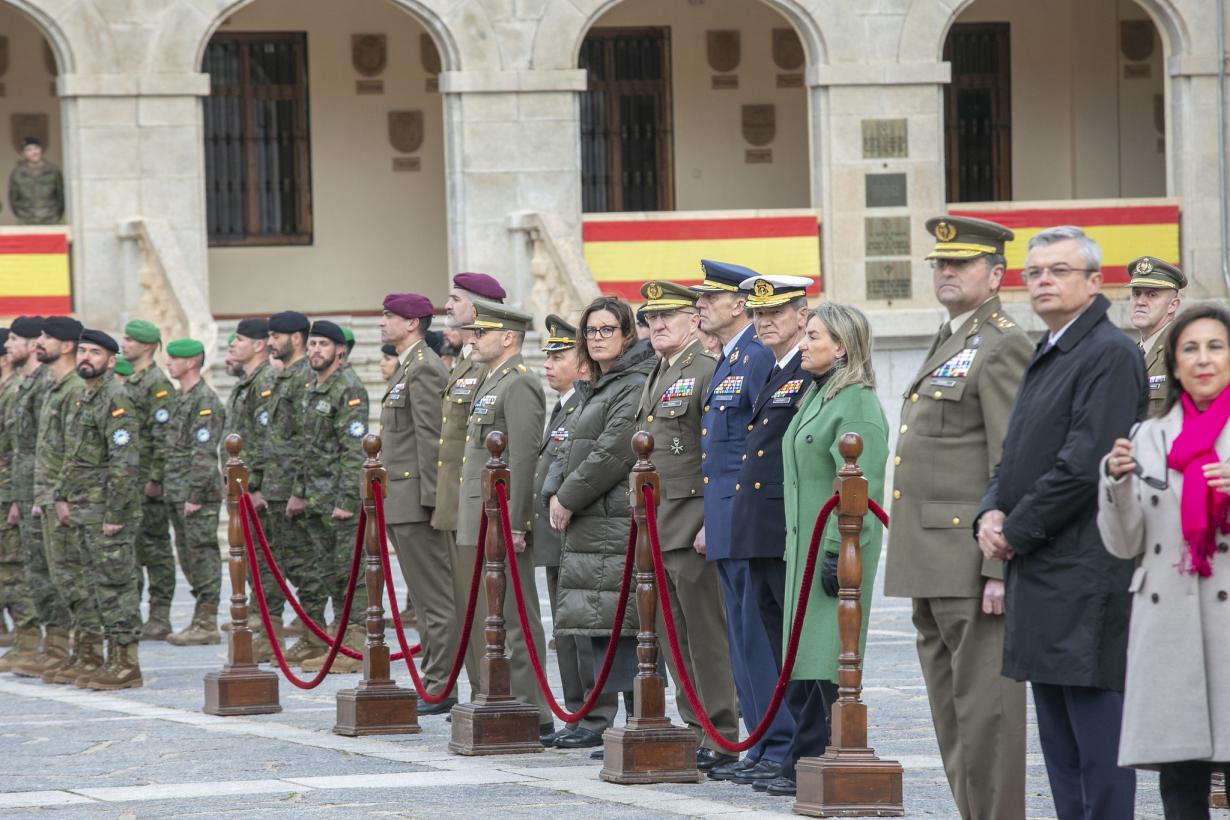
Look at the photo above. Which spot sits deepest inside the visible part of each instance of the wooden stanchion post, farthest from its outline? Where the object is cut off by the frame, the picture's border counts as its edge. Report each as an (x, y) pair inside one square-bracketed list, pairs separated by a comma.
[(848, 780), (648, 748), (377, 706), (242, 687), (495, 722)]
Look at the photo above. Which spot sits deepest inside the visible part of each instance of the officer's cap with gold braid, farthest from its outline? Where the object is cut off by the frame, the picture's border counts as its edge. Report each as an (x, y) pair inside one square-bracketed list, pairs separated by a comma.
[(560, 335), (722, 277), (662, 296), (490, 316), (1151, 272), (963, 237), (774, 291)]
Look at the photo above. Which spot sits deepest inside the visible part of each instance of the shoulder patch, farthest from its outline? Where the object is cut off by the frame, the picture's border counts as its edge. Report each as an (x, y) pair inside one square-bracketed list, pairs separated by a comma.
[(117, 412), (206, 412), (354, 402), (120, 437), (161, 394)]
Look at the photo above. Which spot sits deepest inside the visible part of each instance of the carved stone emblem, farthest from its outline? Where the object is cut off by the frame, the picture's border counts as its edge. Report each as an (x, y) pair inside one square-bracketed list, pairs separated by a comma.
[(4, 55), (29, 125), (429, 55), (759, 124), (787, 49), (1136, 39), (723, 47), (369, 53), (406, 130)]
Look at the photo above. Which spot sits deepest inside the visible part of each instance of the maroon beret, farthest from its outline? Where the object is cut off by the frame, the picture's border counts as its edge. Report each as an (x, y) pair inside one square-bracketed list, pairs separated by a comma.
[(480, 284), (408, 305)]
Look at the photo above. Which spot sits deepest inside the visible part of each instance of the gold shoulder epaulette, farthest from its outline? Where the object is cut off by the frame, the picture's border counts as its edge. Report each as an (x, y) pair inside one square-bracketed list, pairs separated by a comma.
[(1002, 322), (522, 368)]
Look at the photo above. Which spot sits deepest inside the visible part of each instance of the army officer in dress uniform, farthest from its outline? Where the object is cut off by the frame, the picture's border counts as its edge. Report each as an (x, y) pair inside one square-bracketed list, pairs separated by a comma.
[(953, 422), (1154, 301), (670, 409)]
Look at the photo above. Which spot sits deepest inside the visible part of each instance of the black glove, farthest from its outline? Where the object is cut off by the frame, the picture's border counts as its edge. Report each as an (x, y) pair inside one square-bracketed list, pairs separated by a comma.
[(828, 575)]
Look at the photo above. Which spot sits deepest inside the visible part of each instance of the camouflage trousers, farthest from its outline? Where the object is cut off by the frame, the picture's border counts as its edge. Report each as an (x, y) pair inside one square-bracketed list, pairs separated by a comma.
[(334, 540), (109, 562), (300, 561), (155, 557), (70, 568), (14, 591), (50, 608), (196, 541)]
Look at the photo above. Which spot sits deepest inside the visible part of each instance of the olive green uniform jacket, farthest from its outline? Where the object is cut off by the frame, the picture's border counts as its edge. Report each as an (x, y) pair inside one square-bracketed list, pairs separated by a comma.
[(152, 396), (100, 474), (52, 441), (548, 542), (410, 434), (284, 463), (1155, 367), (37, 196), (31, 393), (334, 424), (456, 402), (192, 435), (247, 414)]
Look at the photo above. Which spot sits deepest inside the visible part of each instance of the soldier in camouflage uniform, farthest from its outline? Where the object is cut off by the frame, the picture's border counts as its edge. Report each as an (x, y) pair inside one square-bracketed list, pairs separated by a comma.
[(36, 187), (335, 421), (98, 504), (14, 591), (152, 395), (193, 488), (285, 468)]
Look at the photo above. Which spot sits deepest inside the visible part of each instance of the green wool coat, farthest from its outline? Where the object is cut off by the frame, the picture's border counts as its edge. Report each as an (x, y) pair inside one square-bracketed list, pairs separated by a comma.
[(811, 462)]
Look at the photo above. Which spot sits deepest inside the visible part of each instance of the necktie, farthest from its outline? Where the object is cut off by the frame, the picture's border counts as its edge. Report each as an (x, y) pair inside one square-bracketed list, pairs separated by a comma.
[(945, 332), (774, 372), (1141, 345)]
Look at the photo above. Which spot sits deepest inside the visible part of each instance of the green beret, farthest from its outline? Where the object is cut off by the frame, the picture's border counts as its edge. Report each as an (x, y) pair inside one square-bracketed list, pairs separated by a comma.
[(185, 349), (142, 331), (123, 367), (347, 334)]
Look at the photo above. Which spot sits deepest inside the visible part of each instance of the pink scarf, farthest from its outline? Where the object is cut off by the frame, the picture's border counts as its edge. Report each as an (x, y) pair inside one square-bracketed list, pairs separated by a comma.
[(1203, 508)]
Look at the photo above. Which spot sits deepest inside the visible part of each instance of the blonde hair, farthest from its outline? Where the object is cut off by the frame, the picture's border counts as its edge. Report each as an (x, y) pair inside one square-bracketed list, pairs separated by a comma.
[(847, 326)]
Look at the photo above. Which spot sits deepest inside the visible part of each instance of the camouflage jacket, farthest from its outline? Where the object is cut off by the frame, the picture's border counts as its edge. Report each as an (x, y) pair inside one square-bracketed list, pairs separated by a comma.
[(335, 421), (37, 197), (102, 466), (152, 395), (8, 399), (31, 392), (247, 414), (284, 453), (49, 455), (193, 435)]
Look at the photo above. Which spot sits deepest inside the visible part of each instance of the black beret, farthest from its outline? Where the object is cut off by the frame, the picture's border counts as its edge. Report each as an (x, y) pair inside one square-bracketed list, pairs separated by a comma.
[(101, 339), (435, 340), (28, 327), (253, 328), (328, 330), (388, 350), (4, 335), (64, 328), (288, 321)]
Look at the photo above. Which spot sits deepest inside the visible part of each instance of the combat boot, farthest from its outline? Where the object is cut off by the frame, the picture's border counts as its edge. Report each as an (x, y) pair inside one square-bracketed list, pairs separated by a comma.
[(262, 650), (68, 672), (356, 635), (53, 651), (297, 629), (25, 647), (89, 659), (122, 671), (158, 627), (7, 636), (303, 649), (202, 631)]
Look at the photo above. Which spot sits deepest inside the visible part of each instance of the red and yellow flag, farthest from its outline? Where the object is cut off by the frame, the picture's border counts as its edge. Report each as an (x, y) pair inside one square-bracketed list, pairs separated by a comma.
[(34, 277)]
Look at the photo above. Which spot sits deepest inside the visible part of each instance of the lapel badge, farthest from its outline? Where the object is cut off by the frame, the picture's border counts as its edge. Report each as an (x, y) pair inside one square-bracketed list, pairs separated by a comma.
[(974, 341)]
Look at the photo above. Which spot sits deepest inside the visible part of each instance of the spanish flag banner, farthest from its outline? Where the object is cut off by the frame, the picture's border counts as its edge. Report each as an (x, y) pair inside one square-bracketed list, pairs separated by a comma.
[(1123, 229), (34, 277), (625, 253)]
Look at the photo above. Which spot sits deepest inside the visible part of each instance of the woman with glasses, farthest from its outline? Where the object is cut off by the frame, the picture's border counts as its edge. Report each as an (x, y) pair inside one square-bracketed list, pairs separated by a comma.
[(1165, 502), (587, 490)]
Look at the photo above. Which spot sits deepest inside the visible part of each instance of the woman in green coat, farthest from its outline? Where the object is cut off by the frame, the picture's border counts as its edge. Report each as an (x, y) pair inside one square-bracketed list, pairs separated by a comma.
[(836, 350)]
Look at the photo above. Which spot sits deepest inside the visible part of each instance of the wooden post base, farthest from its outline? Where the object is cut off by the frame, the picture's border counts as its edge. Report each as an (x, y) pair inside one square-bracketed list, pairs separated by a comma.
[(500, 727), (245, 690), (849, 783), (1217, 796), (377, 710), (653, 754)]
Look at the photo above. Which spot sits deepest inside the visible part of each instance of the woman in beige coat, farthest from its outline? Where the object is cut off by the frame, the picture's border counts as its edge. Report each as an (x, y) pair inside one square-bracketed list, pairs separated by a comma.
[(1164, 499)]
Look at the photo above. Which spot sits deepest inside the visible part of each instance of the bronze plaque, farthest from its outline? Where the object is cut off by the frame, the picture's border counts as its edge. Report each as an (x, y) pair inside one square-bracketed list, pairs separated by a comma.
[(758, 156), (369, 86), (725, 82), (886, 139), (4, 55), (30, 125), (429, 55), (723, 48), (1136, 39), (887, 235), (49, 60), (1137, 71), (406, 130), (759, 124), (787, 49), (885, 190), (888, 279), (789, 80), (369, 53), (407, 164)]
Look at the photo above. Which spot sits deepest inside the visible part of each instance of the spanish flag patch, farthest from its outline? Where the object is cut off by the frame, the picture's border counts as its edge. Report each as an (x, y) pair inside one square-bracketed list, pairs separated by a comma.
[(117, 412), (354, 402), (161, 394), (207, 412), (266, 394)]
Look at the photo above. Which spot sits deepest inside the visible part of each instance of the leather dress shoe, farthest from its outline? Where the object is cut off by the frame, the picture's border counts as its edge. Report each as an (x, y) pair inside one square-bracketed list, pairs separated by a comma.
[(707, 759), (598, 754), (440, 708), (579, 738), (555, 737), (728, 770), (763, 771), (781, 787)]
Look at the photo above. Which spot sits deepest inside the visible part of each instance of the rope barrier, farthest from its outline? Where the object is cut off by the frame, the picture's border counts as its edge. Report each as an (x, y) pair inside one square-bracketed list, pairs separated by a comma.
[(625, 587), (471, 605)]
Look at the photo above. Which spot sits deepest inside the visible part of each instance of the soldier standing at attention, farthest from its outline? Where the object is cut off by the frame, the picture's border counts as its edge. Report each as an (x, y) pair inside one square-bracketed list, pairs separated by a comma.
[(334, 424), (671, 409), (14, 591), (953, 420), (1155, 301), (194, 488), (152, 394), (98, 504), (36, 187), (510, 400), (410, 446)]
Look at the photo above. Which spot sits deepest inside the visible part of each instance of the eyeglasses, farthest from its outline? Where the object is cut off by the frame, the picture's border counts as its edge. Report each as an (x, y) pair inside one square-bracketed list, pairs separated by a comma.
[(1033, 274), (1138, 471), (605, 331)]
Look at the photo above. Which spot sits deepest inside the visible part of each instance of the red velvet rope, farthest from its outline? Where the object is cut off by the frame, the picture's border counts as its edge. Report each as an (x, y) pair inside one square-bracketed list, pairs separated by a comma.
[(625, 586), (877, 511), (405, 654), (247, 514)]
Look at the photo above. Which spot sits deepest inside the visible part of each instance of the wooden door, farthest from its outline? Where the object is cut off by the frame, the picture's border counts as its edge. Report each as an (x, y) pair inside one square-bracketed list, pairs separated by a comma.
[(978, 113)]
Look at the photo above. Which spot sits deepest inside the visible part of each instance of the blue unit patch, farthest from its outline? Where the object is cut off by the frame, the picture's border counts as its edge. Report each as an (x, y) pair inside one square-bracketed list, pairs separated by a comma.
[(120, 437), (202, 435), (262, 418), (356, 429), (161, 415)]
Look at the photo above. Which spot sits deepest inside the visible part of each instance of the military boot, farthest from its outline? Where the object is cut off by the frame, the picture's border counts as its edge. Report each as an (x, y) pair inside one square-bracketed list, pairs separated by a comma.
[(89, 659), (25, 647), (122, 671), (297, 629), (7, 636), (303, 649), (68, 672), (158, 627), (202, 631), (356, 635), (262, 650), (53, 651)]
